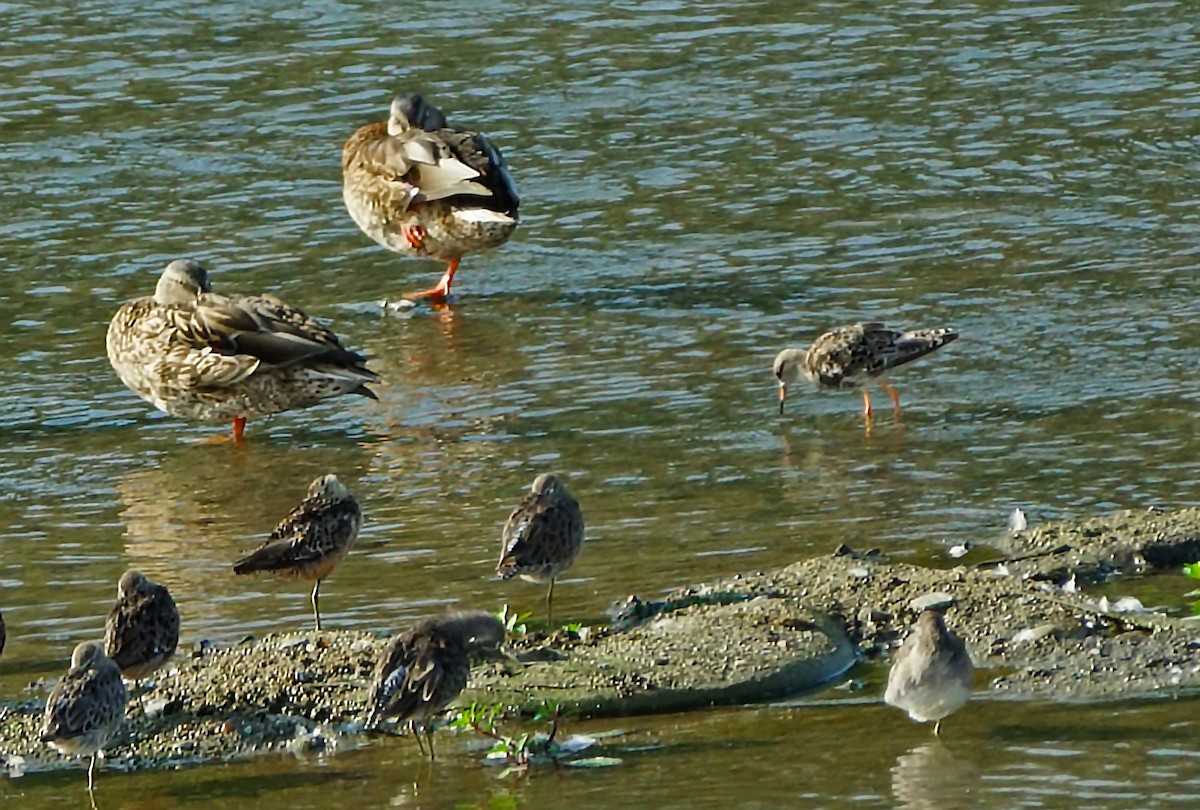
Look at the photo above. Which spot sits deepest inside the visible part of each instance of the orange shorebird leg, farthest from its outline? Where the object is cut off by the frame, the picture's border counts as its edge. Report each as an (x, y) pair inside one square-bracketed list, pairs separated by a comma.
[(895, 395), (439, 292), (866, 404), (239, 429)]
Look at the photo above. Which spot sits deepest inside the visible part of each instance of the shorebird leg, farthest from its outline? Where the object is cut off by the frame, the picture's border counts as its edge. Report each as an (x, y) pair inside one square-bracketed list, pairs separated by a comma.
[(429, 737), (91, 771), (937, 728), (316, 596), (782, 397), (550, 602), (439, 292), (239, 429), (895, 395), (416, 732), (866, 404)]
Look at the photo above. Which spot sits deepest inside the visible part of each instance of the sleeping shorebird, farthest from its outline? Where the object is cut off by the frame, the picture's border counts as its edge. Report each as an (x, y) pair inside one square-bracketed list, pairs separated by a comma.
[(311, 540), (932, 674), (423, 669), (86, 707), (196, 354), (852, 356), (416, 185), (543, 535), (142, 629)]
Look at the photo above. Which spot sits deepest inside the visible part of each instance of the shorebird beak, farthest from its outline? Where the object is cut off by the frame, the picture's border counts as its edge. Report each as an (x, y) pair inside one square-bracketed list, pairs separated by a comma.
[(782, 397)]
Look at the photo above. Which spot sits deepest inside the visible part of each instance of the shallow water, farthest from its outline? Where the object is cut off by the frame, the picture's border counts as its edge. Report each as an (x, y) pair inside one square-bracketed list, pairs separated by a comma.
[(704, 184)]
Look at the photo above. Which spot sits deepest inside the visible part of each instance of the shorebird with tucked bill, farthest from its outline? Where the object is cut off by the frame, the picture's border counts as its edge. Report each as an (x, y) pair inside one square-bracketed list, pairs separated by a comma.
[(932, 674), (417, 185), (142, 629), (422, 670), (311, 541), (543, 535), (856, 355), (86, 707)]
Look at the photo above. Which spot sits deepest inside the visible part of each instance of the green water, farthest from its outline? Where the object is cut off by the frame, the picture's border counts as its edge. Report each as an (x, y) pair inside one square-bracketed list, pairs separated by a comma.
[(704, 184)]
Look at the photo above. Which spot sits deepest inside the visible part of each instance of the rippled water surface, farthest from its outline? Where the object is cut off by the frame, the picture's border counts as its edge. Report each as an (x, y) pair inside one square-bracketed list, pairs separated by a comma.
[(704, 184)]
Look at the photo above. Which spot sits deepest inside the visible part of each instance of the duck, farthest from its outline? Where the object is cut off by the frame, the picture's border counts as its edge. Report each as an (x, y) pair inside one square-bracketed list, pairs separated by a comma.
[(422, 670), (855, 355), (543, 535), (196, 354), (420, 187)]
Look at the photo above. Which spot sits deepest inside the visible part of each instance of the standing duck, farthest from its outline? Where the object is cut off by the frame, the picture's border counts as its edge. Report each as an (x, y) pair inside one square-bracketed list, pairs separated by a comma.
[(852, 356), (199, 355), (543, 535), (311, 540), (422, 670), (418, 186)]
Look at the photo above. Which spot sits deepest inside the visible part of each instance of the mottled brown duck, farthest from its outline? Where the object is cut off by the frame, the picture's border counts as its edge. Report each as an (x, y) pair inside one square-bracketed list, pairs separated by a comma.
[(418, 186), (227, 358)]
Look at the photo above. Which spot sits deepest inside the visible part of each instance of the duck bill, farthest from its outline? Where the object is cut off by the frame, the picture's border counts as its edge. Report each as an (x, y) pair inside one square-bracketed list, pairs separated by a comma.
[(782, 397)]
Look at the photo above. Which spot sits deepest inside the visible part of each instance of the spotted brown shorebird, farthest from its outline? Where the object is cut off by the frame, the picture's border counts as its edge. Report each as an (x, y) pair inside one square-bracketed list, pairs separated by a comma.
[(86, 707), (142, 629), (417, 185), (853, 356), (543, 535), (311, 540), (422, 670), (932, 674), (227, 358)]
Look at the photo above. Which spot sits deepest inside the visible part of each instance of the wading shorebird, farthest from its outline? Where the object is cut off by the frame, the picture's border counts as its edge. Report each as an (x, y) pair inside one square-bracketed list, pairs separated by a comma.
[(932, 674), (423, 669), (86, 708), (226, 358), (418, 186), (311, 540), (853, 356), (543, 535), (142, 629)]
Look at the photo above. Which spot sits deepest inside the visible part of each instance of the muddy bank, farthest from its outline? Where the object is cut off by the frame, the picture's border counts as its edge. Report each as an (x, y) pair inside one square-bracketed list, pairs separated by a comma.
[(750, 637)]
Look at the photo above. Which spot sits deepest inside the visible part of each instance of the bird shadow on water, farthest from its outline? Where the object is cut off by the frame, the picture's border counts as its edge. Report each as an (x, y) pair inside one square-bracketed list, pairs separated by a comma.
[(931, 777)]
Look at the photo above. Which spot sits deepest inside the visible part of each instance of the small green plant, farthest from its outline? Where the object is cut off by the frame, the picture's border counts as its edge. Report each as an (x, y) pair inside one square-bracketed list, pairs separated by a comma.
[(519, 753), (1192, 570), (573, 628), (514, 623)]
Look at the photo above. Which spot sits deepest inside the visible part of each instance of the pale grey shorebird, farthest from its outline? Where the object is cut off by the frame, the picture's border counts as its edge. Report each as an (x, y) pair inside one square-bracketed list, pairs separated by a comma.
[(200, 355), (422, 670), (418, 186), (932, 674), (543, 535), (86, 707), (142, 629), (311, 540), (852, 356)]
